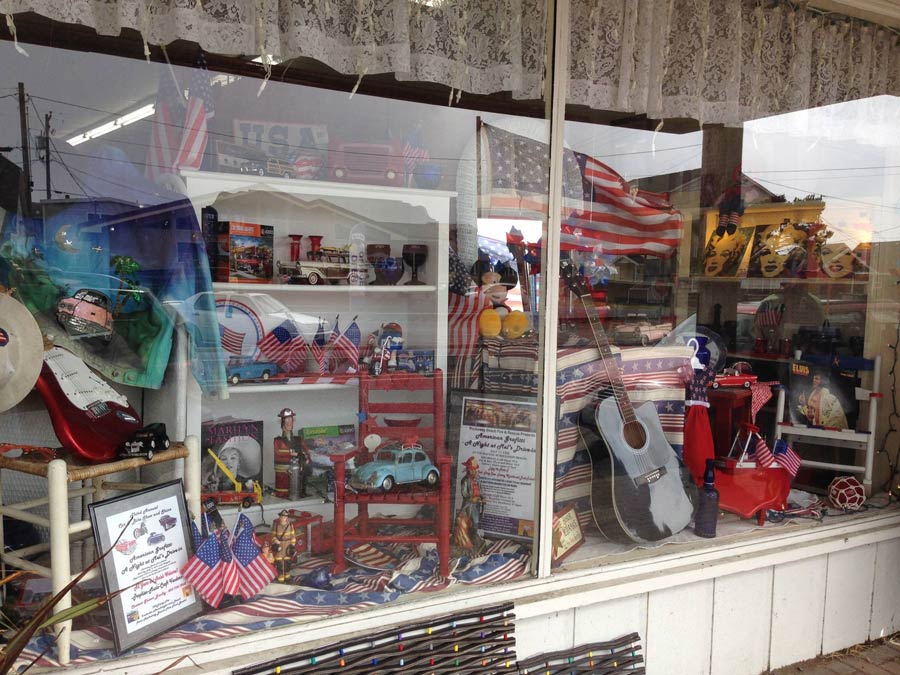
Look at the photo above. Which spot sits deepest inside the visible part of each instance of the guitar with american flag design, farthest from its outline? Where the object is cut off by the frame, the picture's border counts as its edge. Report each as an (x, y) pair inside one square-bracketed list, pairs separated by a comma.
[(639, 487)]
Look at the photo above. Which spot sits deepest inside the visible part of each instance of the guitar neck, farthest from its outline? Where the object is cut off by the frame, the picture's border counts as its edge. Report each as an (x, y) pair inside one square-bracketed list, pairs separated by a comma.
[(609, 361)]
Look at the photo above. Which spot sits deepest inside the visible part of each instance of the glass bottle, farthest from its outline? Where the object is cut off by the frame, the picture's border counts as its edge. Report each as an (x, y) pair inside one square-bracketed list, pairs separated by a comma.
[(708, 508), (359, 268)]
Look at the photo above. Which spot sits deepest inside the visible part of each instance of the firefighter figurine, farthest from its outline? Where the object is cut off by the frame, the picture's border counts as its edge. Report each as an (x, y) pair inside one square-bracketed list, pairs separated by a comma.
[(468, 520), (284, 542), (288, 447)]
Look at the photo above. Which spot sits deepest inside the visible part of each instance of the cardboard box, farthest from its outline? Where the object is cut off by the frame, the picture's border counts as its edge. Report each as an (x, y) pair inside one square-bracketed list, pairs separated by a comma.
[(245, 252)]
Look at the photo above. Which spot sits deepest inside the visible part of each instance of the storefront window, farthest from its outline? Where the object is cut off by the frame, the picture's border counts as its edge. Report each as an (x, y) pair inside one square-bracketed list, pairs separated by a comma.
[(312, 284), (730, 291)]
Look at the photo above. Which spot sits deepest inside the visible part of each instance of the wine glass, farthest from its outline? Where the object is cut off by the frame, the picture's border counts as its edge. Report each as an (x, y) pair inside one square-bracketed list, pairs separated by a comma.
[(414, 255)]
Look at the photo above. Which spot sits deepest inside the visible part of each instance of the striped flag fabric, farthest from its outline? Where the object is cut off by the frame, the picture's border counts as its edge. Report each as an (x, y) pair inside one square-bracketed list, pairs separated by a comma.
[(462, 337), (282, 342), (254, 570), (194, 134), (335, 333), (762, 454), (232, 340), (600, 208), (231, 583), (204, 571), (769, 314), (414, 151), (787, 457), (347, 344), (318, 348), (165, 134), (619, 220)]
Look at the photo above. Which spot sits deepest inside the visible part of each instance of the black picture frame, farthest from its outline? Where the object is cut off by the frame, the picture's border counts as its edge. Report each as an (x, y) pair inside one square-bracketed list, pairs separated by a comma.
[(516, 460), (145, 563)]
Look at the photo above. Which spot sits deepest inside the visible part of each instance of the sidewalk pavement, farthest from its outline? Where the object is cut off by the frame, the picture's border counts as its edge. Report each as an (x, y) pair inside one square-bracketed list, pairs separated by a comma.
[(881, 657)]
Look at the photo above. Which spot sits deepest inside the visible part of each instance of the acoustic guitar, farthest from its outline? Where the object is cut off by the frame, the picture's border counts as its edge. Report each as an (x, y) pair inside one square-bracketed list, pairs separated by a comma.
[(639, 487), (91, 419)]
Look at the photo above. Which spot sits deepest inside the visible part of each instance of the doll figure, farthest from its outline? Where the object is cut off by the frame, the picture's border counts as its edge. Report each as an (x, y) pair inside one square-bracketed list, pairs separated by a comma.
[(468, 519), (284, 541)]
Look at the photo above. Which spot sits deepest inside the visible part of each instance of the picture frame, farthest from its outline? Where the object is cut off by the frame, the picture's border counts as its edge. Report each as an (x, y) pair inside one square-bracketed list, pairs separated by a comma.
[(567, 534), (500, 430), (144, 563)]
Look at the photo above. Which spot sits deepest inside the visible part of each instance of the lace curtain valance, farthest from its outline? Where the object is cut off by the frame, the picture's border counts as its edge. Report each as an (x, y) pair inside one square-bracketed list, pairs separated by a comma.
[(713, 60)]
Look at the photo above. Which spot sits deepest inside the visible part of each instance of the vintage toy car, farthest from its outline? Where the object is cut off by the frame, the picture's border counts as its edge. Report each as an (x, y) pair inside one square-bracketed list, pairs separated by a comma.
[(271, 167), (156, 538), (395, 466), (245, 499), (145, 441), (729, 380), (86, 314), (168, 522), (640, 332), (242, 368), (126, 546), (372, 163)]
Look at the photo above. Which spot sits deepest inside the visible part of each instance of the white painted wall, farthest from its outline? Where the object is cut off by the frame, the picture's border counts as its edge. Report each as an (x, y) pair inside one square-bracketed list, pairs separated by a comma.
[(742, 623)]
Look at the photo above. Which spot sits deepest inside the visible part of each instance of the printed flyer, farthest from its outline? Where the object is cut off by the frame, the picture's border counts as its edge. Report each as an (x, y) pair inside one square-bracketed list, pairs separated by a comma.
[(148, 561), (147, 537), (500, 433)]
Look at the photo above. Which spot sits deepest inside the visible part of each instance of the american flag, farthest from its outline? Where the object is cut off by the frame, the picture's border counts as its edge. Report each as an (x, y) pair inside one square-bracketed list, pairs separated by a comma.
[(166, 126), (462, 336), (465, 304), (204, 571), (335, 333), (318, 348), (231, 582), (194, 134), (787, 457), (347, 345), (618, 219), (254, 571), (762, 453), (232, 340), (282, 342), (600, 207), (413, 151), (517, 175), (768, 314)]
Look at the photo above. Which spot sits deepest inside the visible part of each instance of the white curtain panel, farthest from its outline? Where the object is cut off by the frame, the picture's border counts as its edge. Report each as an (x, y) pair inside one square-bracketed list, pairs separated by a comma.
[(723, 61)]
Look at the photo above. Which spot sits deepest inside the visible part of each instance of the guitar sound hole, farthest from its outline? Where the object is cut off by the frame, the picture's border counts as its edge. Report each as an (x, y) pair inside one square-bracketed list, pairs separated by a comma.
[(635, 435)]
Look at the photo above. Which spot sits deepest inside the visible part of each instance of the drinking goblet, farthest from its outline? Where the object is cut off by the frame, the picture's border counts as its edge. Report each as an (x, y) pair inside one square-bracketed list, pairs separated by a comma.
[(415, 255)]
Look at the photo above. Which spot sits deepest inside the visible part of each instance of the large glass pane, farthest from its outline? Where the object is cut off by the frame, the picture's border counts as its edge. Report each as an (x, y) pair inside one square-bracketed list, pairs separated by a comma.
[(729, 296), (320, 288)]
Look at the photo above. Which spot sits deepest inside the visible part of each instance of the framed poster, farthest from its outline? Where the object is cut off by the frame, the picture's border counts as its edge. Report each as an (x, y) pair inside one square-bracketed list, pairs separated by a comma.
[(146, 561), (500, 432), (567, 534)]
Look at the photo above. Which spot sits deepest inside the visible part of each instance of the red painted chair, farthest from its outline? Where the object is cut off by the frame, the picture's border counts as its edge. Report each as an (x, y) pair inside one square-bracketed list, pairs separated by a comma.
[(379, 399)]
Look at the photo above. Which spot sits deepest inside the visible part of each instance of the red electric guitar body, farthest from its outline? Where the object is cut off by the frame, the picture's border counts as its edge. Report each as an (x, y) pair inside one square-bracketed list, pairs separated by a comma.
[(91, 419)]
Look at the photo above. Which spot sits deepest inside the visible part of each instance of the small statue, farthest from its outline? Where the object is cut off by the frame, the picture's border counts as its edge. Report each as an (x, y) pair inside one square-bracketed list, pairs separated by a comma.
[(284, 542), (468, 519), (288, 447)]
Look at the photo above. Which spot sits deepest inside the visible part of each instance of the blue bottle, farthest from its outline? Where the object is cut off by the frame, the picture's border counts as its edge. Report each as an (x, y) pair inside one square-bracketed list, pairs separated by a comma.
[(708, 508)]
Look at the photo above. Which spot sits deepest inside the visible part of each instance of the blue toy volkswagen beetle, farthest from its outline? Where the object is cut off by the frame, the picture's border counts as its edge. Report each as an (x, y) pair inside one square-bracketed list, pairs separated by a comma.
[(395, 465)]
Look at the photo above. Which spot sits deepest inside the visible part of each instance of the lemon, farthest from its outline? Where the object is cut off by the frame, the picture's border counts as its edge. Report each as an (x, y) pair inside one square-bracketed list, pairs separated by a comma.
[(489, 323), (515, 325)]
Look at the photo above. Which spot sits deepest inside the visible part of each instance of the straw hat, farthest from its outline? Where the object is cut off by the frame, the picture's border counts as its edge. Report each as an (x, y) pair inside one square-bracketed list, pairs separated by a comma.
[(21, 351)]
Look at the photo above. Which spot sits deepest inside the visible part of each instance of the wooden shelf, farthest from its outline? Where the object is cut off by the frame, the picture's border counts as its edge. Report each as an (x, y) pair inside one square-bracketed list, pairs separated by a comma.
[(305, 288)]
